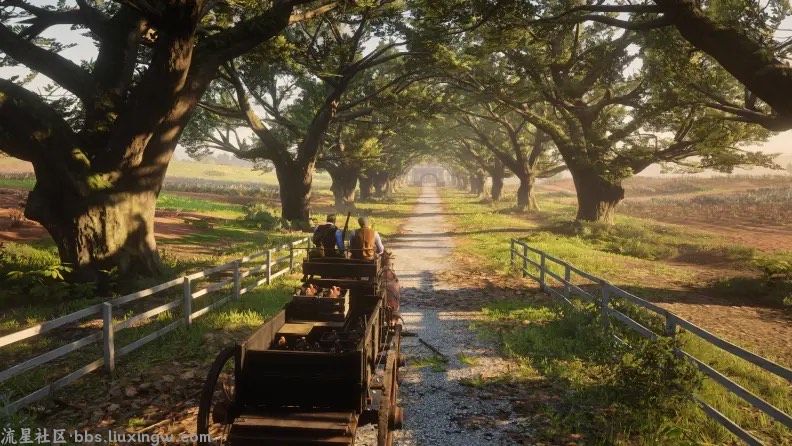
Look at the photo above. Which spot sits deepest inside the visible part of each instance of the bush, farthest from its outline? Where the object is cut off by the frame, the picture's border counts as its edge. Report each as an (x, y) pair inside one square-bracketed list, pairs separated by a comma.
[(651, 381), (37, 273), (259, 216)]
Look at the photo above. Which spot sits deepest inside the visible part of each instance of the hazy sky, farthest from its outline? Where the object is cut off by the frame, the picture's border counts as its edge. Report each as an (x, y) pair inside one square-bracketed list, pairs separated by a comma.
[(84, 49)]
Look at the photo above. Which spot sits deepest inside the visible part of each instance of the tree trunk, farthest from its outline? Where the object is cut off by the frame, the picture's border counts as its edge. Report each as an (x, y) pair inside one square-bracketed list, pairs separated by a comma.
[(497, 187), (477, 182), (463, 182), (366, 184), (344, 182), (380, 183), (294, 182), (497, 173), (107, 230), (525, 194), (597, 197)]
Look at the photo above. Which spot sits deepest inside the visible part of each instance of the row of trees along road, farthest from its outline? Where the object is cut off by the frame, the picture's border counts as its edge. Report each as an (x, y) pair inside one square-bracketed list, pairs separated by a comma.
[(605, 90), (290, 92)]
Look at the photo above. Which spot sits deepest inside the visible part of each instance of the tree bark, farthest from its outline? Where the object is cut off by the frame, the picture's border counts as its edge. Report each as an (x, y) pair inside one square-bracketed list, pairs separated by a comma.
[(108, 230), (477, 184), (597, 197), (96, 187), (380, 183), (344, 183), (295, 182), (497, 185), (526, 199), (366, 185)]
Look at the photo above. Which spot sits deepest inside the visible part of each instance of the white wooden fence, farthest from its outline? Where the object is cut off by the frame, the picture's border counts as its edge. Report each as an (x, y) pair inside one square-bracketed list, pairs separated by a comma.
[(602, 294), (272, 257)]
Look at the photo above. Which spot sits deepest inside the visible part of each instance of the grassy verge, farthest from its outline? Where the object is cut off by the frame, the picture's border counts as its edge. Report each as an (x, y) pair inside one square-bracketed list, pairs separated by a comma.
[(156, 363), (604, 392)]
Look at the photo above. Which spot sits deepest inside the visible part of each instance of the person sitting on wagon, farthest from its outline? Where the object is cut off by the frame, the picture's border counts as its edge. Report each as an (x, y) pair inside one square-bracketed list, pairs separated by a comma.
[(328, 239), (365, 243)]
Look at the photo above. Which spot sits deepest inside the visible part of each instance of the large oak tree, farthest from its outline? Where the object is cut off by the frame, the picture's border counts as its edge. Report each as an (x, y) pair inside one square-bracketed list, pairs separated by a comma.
[(288, 95), (100, 150)]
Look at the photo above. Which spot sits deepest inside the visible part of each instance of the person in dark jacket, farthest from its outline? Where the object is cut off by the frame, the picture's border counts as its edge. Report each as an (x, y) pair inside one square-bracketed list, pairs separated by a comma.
[(328, 239)]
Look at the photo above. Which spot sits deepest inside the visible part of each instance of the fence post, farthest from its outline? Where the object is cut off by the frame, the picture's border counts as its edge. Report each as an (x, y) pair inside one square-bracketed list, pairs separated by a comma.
[(187, 294), (291, 257), (567, 278), (511, 253), (269, 266), (525, 260), (670, 326), (107, 337), (604, 302), (237, 280), (542, 267)]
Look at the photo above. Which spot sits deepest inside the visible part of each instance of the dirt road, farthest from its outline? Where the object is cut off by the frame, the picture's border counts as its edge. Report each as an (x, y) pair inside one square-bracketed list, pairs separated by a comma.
[(439, 408)]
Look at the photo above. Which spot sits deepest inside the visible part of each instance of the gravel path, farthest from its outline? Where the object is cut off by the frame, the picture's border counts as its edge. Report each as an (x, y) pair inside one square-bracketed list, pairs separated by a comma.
[(439, 408)]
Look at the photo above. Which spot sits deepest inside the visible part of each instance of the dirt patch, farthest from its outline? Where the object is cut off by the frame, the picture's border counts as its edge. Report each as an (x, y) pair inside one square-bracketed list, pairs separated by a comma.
[(169, 225), (761, 237)]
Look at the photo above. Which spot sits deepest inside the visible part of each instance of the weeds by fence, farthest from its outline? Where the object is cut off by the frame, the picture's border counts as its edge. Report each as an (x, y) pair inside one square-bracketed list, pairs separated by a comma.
[(603, 294), (228, 276)]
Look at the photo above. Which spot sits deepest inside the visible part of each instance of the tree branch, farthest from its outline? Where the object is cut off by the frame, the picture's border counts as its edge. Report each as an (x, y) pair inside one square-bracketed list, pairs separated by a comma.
[(66, 73)]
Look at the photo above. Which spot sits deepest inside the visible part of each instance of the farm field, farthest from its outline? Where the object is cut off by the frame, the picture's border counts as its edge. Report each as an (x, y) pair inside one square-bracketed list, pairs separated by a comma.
[(754, 211)]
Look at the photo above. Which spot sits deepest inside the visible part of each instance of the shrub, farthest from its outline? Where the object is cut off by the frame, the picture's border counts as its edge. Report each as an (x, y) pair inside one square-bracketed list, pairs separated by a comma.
[(37, 273), (651, 381), (259, 216)]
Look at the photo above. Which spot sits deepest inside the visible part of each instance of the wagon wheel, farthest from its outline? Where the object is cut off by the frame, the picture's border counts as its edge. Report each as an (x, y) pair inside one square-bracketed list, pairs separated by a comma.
[(399, 360), (388, 408), (217, 397)]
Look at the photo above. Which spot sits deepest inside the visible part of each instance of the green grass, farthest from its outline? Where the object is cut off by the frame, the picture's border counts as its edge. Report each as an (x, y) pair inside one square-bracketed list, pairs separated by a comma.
[(17, 183), (468, 360), (631, 253), (595, 378), (435, 363), (612, 394), (188, 204), (601, 391), (237, 319), (387, 214)]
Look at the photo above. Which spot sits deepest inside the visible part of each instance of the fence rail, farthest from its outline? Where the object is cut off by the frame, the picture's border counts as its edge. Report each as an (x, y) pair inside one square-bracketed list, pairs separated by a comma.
[(673, 323), (109, 327)]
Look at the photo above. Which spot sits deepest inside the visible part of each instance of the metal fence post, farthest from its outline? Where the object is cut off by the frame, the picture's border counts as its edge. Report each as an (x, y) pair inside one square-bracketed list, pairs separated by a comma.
[(237, 279), (511, 253), (107, 336), (542, 267), (604, 302), (291, 257), (567, 278), (187, 290), (525, 260), (269, 266)]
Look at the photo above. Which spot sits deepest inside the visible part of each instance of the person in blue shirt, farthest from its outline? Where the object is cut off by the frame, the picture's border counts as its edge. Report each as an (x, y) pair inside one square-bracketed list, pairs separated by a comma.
[(329, 240)]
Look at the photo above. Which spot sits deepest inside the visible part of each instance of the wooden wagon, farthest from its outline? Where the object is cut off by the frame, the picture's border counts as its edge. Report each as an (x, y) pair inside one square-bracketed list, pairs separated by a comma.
[(263, 392)]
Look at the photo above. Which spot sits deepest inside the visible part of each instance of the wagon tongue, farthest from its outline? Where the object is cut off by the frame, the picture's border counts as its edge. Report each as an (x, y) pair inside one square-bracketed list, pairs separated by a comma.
[(294, 428)]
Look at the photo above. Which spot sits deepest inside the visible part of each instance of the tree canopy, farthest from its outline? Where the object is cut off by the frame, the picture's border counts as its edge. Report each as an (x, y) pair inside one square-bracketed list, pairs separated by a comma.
[(365, 89)]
